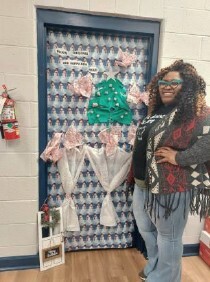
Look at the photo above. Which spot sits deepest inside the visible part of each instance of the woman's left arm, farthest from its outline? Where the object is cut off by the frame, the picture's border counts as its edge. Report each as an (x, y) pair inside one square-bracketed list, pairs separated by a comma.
[(198, 153)]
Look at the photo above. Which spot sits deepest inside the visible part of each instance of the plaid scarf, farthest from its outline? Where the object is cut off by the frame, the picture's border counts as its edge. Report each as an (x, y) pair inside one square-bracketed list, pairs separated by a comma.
[(192, 171)]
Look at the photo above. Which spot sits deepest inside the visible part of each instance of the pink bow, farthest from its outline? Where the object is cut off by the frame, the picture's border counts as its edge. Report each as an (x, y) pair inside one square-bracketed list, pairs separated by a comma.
[(135, 96), (110, 137), (132, 134), (144, 97), (72, 138), (83, 86), (125, 59), (52, 151)]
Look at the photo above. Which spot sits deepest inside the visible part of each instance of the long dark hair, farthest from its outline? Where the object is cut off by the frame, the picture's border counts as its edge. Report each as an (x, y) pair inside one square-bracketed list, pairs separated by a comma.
[(191, 98)]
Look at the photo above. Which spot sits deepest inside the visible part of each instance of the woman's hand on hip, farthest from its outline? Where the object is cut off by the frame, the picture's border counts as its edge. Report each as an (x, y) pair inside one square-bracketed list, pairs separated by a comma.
[(167, 155)]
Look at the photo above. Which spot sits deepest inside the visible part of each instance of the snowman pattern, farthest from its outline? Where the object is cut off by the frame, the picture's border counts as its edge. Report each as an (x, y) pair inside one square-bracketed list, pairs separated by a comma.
[(66, 109)]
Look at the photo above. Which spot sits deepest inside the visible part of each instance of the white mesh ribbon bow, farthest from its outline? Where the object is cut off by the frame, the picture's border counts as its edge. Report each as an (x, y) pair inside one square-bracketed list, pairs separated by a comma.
[(111, 171), (69, 168)]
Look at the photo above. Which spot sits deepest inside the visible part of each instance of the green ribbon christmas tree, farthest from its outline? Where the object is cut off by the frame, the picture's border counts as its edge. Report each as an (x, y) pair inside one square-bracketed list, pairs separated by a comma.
[(109, 104)]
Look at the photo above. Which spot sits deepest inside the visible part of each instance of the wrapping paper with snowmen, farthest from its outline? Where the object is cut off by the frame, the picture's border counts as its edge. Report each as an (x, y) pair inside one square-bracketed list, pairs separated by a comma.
[(79, 64)]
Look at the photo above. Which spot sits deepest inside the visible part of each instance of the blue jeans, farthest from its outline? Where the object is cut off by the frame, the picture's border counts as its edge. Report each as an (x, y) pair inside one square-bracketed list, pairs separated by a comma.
[(163, 238)]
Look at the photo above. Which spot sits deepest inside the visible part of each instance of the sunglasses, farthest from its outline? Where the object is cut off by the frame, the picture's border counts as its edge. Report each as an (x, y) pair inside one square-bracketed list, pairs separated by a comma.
[(172, 83)]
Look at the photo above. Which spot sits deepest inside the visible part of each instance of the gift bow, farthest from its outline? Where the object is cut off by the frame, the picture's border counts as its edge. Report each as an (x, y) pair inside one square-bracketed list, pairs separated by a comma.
[(125, 59), (53, 152), (83, 86), (110, 137), (135, 96), (72, 138), (132, 134)]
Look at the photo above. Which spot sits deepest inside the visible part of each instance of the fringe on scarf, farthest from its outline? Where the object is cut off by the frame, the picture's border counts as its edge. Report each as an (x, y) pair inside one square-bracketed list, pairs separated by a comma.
[(199, 203)]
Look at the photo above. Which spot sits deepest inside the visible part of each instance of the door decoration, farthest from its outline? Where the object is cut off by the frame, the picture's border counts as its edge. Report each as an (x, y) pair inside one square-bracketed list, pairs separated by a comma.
[(69, 167), (83, 86), (70, 161), (111, 171), (109, 104), (125, 59), (136, 96), (110, 137), (53, 152), (71, 55), (111, 165)]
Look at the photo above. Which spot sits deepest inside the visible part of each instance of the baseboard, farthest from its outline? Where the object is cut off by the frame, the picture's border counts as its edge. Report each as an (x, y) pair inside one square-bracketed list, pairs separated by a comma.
[(191, 250), (29, 262), (19, 263)]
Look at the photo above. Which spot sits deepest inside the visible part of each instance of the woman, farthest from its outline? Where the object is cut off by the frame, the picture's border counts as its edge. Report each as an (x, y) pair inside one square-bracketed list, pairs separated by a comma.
[(170, 166)]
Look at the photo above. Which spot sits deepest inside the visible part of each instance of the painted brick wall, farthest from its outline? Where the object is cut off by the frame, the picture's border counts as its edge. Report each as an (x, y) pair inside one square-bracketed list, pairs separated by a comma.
[(185, 34), (18, 165)]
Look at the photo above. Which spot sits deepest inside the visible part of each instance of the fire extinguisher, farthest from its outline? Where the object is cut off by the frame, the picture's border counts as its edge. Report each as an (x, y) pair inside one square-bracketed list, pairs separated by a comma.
[(9, 123)]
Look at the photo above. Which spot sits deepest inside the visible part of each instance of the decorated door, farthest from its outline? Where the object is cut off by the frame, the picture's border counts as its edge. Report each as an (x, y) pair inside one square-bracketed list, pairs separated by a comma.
[(71, 55)]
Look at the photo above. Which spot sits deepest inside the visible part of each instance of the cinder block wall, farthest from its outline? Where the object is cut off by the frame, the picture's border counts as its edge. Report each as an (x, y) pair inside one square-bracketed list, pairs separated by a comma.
[(185, 34)]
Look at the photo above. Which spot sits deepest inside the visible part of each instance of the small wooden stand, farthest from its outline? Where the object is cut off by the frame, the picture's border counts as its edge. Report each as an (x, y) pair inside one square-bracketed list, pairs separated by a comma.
[(51, 245)]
